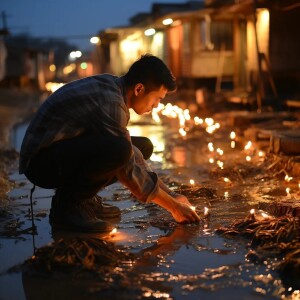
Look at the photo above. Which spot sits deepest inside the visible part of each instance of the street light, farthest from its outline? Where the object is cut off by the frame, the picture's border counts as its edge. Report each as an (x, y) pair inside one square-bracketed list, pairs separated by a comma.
[(95, 40), (75, 54)]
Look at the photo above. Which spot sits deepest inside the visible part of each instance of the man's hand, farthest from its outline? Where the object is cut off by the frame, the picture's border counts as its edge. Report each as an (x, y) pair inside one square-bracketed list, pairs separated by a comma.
[(178, 206)]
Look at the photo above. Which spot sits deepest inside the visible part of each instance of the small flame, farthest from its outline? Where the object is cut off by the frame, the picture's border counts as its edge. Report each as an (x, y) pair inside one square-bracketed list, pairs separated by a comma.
[(193, 208), (232, 135), (252, 211), (114, 231), (288, 178), (265, 215), (192, 181), (248, 145), (205, 211)]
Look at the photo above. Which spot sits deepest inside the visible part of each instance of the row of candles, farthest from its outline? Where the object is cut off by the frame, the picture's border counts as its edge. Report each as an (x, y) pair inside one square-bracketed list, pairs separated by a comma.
[(186, 122)]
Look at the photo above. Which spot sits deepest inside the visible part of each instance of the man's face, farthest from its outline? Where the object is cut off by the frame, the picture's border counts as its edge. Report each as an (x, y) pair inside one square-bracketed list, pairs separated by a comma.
[(143, 102)]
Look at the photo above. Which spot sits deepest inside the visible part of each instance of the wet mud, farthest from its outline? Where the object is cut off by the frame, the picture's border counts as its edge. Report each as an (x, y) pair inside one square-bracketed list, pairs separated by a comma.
[(150, 256)]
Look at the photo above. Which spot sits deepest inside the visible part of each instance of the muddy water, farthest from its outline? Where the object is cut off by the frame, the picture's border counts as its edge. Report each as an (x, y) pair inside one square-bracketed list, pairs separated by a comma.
[(173, 261)]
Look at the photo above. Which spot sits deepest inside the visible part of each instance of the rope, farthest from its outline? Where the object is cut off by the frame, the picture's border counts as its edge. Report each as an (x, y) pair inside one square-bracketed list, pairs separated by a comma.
[(32, 219)]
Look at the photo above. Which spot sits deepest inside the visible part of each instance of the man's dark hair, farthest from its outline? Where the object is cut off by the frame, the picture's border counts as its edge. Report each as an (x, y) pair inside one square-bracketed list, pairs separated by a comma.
[(151, 72)]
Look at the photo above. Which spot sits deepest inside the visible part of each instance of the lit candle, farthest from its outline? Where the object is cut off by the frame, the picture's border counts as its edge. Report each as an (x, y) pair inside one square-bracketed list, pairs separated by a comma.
[(206, 212), (248, 158), (220, 151), (113, 232), (265, 215), (192, 181), (227, 180), (248, 145), (232, 135), (288, 192), (288, 178)]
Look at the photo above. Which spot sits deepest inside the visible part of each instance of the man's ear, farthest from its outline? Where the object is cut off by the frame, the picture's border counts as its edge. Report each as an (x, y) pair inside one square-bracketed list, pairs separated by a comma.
[(138, 89)]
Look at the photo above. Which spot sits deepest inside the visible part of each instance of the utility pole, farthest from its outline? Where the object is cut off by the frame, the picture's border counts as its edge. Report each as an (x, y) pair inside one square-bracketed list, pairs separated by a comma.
[(4, 29)]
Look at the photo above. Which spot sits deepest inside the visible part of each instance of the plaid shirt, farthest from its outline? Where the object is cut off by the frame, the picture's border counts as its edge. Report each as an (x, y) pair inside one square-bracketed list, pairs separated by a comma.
[(99, 103)]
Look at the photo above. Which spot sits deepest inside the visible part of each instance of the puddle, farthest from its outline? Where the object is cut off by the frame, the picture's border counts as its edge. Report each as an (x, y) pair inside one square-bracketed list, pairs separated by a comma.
[(171, 261)]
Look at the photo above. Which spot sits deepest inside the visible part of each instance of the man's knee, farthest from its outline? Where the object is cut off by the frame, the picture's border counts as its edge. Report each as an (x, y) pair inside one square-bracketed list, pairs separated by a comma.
[(147, 148), (125, 151)]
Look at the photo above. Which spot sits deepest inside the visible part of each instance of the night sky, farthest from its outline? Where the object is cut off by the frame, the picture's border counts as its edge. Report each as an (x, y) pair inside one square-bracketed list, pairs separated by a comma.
[(71, 18)]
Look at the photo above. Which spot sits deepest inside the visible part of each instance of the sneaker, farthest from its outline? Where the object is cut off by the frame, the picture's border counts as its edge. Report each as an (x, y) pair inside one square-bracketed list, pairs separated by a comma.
[(103, 210), (77, 217)]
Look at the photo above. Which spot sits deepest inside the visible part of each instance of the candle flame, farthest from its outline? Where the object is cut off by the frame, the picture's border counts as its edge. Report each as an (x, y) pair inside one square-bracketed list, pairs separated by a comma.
[(232, 135), (192, 181), (205, 211), (265, 215), (252, 211), (113, 231), (248, 145), (288, 178)]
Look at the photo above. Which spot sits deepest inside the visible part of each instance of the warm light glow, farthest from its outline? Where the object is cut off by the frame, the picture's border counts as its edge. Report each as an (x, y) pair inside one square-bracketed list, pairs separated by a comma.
[(177, 23), (53, 86), (69, 69), (182, 132), (248, 158), (149, 32), (265, 215), (220, 164), (210, 147), (211, 160), (198, 121), (192, 181), (232, 144), (155, 157), (288, 178), (167, 21), (232, 135), (52, 68), (248, 145), (261, 153), (193, 208), (220, 151), (205, 211), (227, 180), (252, 211), (95, 40)]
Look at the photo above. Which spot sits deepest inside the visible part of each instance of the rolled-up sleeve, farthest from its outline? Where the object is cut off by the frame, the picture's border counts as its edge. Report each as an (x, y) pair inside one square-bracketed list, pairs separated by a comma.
[(141, 182)]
